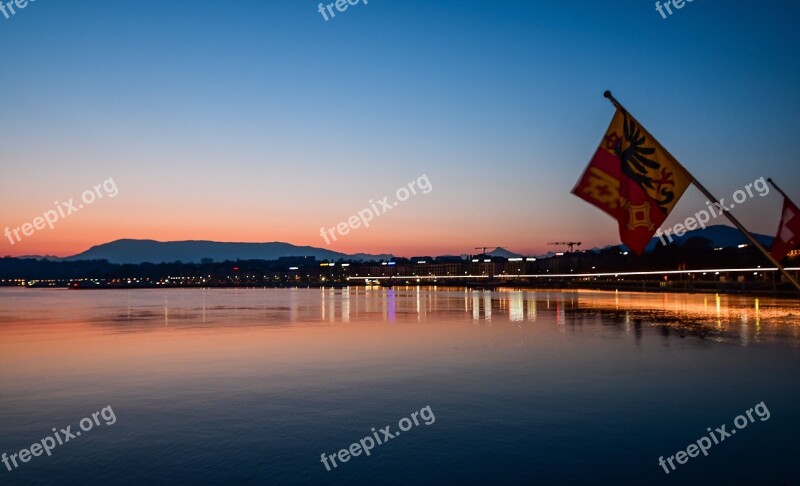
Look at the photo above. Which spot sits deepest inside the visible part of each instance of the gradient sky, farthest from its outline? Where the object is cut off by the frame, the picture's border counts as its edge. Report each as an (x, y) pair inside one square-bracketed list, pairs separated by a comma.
[(259, 121)]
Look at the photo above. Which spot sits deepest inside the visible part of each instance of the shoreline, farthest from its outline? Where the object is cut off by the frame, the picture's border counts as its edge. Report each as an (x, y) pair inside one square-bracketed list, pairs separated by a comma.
[(707, 288)]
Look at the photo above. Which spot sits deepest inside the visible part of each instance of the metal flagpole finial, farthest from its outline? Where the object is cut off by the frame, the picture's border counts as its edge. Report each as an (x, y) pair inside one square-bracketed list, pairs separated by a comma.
[(607, 94)]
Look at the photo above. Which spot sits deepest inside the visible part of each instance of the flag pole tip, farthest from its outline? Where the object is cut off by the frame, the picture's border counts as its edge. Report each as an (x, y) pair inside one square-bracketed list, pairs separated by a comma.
[(607, 94)]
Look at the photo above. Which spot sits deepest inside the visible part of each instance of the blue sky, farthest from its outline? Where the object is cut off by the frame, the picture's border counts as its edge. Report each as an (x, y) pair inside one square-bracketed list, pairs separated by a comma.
[(260, 121)]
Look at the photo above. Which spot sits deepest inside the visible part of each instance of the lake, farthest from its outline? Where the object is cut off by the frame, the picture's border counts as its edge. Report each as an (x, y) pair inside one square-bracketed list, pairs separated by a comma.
[(253, 386)]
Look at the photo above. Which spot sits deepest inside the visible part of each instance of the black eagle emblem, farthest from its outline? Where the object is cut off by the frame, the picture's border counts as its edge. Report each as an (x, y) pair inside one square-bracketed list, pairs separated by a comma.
[(638, 165)]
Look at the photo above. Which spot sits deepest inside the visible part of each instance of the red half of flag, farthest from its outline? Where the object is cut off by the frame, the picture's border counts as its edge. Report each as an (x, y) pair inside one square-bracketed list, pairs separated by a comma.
[(788, 237)]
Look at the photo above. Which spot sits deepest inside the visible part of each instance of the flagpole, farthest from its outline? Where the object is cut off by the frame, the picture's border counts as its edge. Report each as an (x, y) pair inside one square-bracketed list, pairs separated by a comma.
[(777, 188), (727, 213)]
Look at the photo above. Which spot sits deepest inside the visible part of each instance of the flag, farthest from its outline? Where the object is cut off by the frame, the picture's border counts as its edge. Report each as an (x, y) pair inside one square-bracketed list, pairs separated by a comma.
[(633, 179), (788, 237)]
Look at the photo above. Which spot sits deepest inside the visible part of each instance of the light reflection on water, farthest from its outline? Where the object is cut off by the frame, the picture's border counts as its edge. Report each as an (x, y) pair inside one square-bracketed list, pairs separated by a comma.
[(251, 385), (738, 319), (729, 316)]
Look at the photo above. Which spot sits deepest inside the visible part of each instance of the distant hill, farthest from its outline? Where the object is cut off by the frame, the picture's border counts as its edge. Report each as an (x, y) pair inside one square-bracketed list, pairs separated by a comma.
[(141, 251), (503, 253), (721, 236)]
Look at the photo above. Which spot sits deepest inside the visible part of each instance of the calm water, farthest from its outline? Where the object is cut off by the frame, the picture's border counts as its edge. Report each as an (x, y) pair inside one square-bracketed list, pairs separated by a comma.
[(251, 386)]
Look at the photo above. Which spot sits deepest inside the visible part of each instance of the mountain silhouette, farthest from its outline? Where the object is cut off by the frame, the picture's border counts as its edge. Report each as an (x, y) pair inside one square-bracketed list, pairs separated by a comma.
[(503, 253), (151, 251), (193, 251), (721, 236)]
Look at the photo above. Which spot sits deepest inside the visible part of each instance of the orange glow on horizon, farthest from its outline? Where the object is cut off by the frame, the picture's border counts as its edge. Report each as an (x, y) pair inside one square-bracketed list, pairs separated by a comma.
[(74, 237)]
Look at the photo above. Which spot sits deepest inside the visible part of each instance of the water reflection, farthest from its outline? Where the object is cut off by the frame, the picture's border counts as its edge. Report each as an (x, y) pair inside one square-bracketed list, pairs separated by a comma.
[(531, 300), (515, 307), (255, 383), (738, 318)]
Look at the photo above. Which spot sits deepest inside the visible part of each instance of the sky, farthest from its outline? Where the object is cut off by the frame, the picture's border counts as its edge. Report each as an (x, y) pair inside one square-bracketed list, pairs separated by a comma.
[(261, 121)]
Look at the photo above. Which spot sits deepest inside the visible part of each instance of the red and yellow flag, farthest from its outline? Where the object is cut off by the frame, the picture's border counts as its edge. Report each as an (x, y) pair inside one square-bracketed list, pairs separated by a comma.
[(634, 179)]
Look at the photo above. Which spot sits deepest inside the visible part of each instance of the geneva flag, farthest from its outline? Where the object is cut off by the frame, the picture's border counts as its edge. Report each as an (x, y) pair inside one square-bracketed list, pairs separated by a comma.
[(634, 179)]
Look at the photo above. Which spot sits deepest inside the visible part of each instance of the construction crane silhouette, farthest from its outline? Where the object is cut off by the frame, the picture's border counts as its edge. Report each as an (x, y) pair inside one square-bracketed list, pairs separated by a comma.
[(570, 244)]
